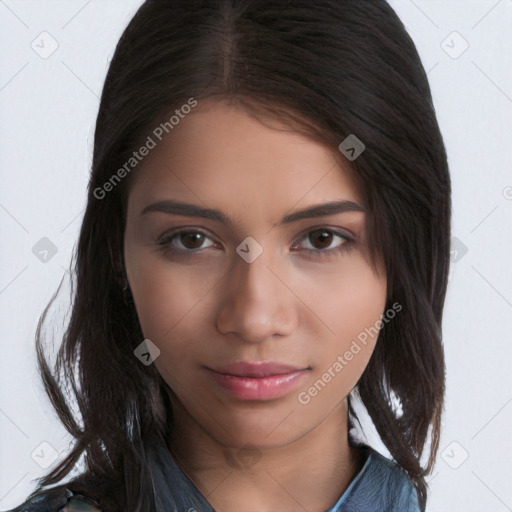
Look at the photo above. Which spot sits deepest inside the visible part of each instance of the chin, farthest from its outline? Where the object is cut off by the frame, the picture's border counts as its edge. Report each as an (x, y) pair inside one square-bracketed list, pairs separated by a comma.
[(260, 429)]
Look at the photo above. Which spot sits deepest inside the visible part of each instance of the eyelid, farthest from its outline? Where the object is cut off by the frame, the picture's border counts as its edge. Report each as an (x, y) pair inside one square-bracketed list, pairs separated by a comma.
[(346, 243), (166, 237), (343, 233)]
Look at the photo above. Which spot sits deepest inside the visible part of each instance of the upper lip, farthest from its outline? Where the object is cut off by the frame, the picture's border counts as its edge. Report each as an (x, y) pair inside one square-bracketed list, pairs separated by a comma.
[(257, 368)]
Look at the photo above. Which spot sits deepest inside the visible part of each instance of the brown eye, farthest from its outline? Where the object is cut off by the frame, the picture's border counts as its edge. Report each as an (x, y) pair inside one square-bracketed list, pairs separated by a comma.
[(191, 240), (186, 240), (324, 242), (320, 238)]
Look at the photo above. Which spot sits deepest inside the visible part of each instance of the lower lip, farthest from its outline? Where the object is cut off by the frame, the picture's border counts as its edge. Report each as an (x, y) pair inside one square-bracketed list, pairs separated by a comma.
[(258, 388)]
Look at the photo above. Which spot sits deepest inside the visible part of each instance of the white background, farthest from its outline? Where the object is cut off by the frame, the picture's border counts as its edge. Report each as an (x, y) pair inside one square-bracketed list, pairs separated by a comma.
[(48, 109)]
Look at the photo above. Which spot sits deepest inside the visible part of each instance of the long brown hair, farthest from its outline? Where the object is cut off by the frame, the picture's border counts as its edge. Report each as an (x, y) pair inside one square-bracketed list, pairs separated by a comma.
[(337, 67)]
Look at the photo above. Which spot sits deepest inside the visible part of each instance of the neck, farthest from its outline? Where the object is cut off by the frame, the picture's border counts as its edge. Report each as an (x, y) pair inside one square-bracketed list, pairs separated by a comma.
[(309, 473)]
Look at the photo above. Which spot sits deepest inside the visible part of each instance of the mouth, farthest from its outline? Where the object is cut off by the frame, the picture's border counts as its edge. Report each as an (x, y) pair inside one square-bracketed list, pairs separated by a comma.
[(263, 380)]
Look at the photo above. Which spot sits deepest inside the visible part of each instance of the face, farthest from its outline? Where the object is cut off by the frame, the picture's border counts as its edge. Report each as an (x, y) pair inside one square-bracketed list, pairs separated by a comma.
[(257, 309)]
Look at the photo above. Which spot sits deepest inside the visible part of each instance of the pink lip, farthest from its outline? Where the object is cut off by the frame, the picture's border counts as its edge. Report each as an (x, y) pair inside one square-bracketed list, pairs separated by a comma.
[(257, 380)]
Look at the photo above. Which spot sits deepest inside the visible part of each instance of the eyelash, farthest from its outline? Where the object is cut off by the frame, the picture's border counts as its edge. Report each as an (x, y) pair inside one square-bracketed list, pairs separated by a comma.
[(164, 243)]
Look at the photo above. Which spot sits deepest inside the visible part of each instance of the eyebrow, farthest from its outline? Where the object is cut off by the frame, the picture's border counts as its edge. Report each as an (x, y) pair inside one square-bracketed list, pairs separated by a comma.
[(192, 210)]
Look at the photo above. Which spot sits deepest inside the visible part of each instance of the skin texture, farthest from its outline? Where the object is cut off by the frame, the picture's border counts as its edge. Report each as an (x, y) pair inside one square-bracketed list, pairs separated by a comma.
[(214, 307)]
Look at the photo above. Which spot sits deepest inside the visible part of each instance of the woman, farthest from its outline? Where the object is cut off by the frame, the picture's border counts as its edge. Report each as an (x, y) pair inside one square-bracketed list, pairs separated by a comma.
[(266, 241)]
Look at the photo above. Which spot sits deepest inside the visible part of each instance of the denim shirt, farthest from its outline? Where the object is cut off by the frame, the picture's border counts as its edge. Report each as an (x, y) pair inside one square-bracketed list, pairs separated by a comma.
[(380, 486)]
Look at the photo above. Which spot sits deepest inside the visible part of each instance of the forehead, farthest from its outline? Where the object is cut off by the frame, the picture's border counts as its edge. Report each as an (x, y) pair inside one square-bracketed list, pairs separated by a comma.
[(222, 156)]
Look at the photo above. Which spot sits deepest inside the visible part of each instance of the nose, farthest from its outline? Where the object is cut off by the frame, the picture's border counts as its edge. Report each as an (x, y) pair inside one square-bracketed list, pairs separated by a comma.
[(257, 302)]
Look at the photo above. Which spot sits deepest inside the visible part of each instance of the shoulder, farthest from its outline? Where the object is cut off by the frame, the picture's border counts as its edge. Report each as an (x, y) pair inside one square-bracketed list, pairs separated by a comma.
[(380, 485), (79, 503), (58, 500)]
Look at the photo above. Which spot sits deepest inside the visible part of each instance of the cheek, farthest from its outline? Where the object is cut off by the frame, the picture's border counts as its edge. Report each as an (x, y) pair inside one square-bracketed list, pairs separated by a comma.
[(169, 307), (347, 299), (166, 298), (351, 304)]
